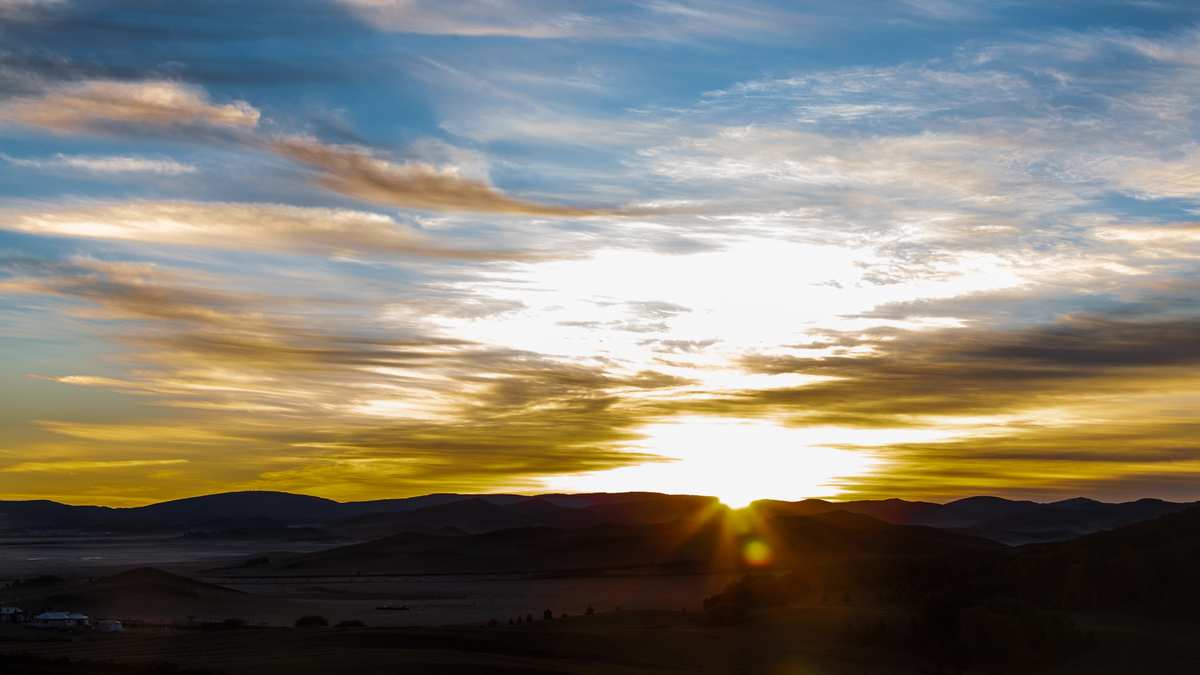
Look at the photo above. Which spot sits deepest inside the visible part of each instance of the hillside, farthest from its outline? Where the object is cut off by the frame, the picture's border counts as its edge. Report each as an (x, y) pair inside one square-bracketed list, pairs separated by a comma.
[(1149, 567)]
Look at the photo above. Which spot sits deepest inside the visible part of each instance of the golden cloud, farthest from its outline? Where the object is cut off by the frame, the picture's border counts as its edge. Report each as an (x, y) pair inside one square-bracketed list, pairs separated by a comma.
[(94, 105)]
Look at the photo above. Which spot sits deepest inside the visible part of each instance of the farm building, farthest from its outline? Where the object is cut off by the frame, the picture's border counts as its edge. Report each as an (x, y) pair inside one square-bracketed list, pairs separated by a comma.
[(61, 620), (109, 626)]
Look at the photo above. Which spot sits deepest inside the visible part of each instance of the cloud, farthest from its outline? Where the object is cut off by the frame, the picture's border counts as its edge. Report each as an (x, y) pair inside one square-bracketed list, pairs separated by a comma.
[(117, 106), (359, 173), (559, 19), (115, 164), (504, 18), (333, 397), (26, 10), (101, 105), (241, 226), (1162, 178), (965, 371), (69, 466)]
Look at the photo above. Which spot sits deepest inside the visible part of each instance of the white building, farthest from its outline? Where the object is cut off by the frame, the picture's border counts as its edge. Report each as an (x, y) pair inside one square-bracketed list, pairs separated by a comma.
[(11, 615), (109, 626), (61, 620)]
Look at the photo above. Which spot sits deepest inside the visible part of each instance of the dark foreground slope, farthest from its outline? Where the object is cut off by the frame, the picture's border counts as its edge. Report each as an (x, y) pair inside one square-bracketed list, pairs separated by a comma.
[(828, 640), (708, 540), (1151, 567), (1146, 569)]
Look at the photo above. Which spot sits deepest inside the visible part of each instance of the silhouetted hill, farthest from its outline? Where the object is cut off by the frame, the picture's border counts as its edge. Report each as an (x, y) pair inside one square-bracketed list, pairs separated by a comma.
[(281, 508), (231, 510), (43, 514), (1003, 520), (1007, 521)]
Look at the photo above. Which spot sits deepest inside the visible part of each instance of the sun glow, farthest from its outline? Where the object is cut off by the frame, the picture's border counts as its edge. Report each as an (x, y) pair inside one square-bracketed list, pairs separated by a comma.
[(736, 460)]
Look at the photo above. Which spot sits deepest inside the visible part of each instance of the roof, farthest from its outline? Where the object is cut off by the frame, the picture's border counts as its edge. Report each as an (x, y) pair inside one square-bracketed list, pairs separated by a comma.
[(61, 616)]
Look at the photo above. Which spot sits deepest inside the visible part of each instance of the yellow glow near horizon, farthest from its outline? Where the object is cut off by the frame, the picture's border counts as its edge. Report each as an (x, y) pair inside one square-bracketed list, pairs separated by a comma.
[(736, 460)]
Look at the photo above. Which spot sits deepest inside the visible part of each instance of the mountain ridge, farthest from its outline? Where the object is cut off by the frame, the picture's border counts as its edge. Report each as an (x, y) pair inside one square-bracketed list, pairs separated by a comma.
[(1008, 521)]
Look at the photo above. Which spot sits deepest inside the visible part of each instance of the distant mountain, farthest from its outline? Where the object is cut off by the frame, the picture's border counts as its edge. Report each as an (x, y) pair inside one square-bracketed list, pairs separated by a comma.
[(221, 509), (1003, 520), (1007, 521), (42, 514), (230, 510)]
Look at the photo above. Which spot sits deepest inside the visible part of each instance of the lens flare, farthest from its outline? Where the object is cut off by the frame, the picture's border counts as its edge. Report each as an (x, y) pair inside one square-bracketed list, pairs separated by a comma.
[(756, 553)]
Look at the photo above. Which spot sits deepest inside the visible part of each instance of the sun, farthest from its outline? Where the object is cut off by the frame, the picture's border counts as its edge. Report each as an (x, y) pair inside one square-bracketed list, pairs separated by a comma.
[(736, 460)]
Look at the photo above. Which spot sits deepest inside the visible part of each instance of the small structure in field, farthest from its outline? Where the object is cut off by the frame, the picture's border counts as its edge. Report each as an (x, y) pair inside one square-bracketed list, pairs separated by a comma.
[(11, 615), (109, 626), (61, 620)]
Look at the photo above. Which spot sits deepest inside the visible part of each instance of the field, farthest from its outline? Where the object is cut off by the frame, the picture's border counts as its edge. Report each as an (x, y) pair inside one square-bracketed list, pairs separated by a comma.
[(795, 641)]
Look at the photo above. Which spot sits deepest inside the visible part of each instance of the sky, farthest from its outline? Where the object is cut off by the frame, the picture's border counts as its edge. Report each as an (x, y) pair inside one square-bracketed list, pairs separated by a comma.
[(379, 248)]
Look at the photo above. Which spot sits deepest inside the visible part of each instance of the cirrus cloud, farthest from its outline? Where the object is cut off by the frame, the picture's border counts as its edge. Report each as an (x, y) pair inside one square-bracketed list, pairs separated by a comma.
[(240, 226)]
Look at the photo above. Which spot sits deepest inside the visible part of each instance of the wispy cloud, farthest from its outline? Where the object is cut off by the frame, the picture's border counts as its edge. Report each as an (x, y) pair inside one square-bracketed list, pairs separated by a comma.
[(558, 19), (117, 107), (97, 164), (72, 465)]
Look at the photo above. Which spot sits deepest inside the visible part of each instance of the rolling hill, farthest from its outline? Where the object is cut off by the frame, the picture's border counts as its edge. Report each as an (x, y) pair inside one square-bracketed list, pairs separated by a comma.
[(144, 592)]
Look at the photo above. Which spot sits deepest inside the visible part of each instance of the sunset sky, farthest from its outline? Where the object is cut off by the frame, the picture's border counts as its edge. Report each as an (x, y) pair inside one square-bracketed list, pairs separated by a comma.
[(378, 248)]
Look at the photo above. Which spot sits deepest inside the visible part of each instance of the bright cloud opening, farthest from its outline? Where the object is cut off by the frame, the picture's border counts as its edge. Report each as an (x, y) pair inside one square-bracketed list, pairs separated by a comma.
[(736, 460)]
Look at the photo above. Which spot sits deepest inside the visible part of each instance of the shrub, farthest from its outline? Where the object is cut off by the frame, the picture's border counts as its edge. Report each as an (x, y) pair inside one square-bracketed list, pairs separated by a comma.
[(312, 621)]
